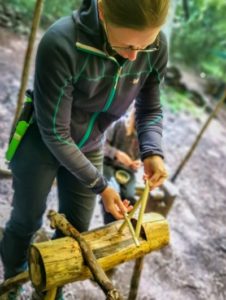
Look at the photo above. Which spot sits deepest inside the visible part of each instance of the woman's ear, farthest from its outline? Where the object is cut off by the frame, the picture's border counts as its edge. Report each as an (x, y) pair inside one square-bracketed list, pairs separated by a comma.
[(100, 10)]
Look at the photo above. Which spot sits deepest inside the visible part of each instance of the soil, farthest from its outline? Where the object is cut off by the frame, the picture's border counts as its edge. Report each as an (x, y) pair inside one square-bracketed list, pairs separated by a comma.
[(193, 266)]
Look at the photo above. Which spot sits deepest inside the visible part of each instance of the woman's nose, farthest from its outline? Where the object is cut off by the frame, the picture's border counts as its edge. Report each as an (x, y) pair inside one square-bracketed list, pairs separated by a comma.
[(132, 54)]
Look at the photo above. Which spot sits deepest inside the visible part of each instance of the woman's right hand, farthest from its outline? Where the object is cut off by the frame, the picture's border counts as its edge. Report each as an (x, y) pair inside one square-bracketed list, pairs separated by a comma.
[(113, 204)]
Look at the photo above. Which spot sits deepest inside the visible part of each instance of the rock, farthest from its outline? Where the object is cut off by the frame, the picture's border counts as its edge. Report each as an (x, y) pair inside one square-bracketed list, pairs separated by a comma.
[(4, 215)]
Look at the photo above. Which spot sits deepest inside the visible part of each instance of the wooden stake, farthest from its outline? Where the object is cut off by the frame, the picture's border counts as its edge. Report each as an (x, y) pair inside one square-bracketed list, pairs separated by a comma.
[(135, 280), (51, 294), (219, 104), (134, 284)]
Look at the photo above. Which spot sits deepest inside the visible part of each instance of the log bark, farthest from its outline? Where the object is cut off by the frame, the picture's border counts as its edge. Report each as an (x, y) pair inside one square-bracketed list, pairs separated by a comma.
[(57, 262)]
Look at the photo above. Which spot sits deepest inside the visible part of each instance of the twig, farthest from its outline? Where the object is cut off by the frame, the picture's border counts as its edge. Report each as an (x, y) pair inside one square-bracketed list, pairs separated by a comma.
[(10, 283), (131, 214), (60, 222)]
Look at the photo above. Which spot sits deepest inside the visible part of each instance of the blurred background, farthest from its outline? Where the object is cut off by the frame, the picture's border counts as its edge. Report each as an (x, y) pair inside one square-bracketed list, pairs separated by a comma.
[(193, 266)]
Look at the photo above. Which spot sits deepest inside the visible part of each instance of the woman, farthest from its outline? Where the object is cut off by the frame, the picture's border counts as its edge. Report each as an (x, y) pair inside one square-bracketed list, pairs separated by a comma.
[(89, 68)]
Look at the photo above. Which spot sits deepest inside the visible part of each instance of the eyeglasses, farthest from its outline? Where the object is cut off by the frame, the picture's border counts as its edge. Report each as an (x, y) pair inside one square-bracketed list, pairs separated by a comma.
[(149, 48)]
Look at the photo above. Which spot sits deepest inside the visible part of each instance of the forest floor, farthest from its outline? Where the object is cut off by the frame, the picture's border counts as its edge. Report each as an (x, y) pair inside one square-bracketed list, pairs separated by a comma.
[(193, 266)]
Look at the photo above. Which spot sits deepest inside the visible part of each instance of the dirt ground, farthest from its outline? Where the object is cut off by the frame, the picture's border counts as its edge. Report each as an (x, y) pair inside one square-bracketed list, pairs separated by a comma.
[(193, 266)]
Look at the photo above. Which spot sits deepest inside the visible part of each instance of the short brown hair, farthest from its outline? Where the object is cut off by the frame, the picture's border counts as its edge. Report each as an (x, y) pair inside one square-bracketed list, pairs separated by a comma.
[(136, 14)]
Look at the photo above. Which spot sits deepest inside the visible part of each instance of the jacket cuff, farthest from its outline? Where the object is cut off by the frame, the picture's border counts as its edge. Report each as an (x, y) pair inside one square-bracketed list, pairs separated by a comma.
[(151, 153), (100, 185)]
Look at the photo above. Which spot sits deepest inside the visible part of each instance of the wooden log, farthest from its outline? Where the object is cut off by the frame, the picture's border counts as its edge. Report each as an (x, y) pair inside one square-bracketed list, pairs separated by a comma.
[(21, 278), (58, 262)]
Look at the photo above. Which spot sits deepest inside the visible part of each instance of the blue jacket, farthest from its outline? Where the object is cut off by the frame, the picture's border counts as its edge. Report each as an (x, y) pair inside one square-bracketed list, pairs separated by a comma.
[(79, 90)]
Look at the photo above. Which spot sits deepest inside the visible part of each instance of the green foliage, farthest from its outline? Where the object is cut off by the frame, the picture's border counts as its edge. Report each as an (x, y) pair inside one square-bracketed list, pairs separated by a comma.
[(53, 9), (177, 101), (22, 7), (200, 42)]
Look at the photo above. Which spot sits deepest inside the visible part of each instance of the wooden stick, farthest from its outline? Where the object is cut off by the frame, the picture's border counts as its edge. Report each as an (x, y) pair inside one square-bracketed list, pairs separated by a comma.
[(136, 241), (199, 136), (10, 283), (26, 68), (135, 280), (28, 57), (144, 199), (60, 222), (131, 214), (51, 294)]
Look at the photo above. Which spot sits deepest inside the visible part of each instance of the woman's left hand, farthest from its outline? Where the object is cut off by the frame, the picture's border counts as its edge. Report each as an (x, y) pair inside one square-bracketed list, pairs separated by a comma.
[(154, 171)]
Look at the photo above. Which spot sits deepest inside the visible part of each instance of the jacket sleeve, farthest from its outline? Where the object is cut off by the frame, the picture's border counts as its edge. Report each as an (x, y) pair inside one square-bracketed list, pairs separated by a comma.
[(148, 107), (53, 87)]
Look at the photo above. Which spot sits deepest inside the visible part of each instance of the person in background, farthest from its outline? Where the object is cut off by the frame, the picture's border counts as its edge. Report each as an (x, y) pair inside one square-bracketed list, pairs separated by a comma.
[(90, 67), (122, 157)]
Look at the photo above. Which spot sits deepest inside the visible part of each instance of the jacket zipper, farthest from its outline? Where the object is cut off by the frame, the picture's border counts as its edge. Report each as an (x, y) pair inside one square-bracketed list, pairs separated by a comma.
[(98, 52)]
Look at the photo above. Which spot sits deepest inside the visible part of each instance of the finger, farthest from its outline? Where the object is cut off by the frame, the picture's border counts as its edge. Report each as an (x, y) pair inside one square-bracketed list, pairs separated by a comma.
[(129, 208), (121, 206), (155, 177), (126, 203), (153, 180), (158, 176), (117, 214), (158, 183), (145, 177)]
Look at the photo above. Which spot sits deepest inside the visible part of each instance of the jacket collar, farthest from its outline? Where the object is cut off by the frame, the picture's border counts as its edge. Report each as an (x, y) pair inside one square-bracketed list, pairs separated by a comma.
[(89, 28)]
